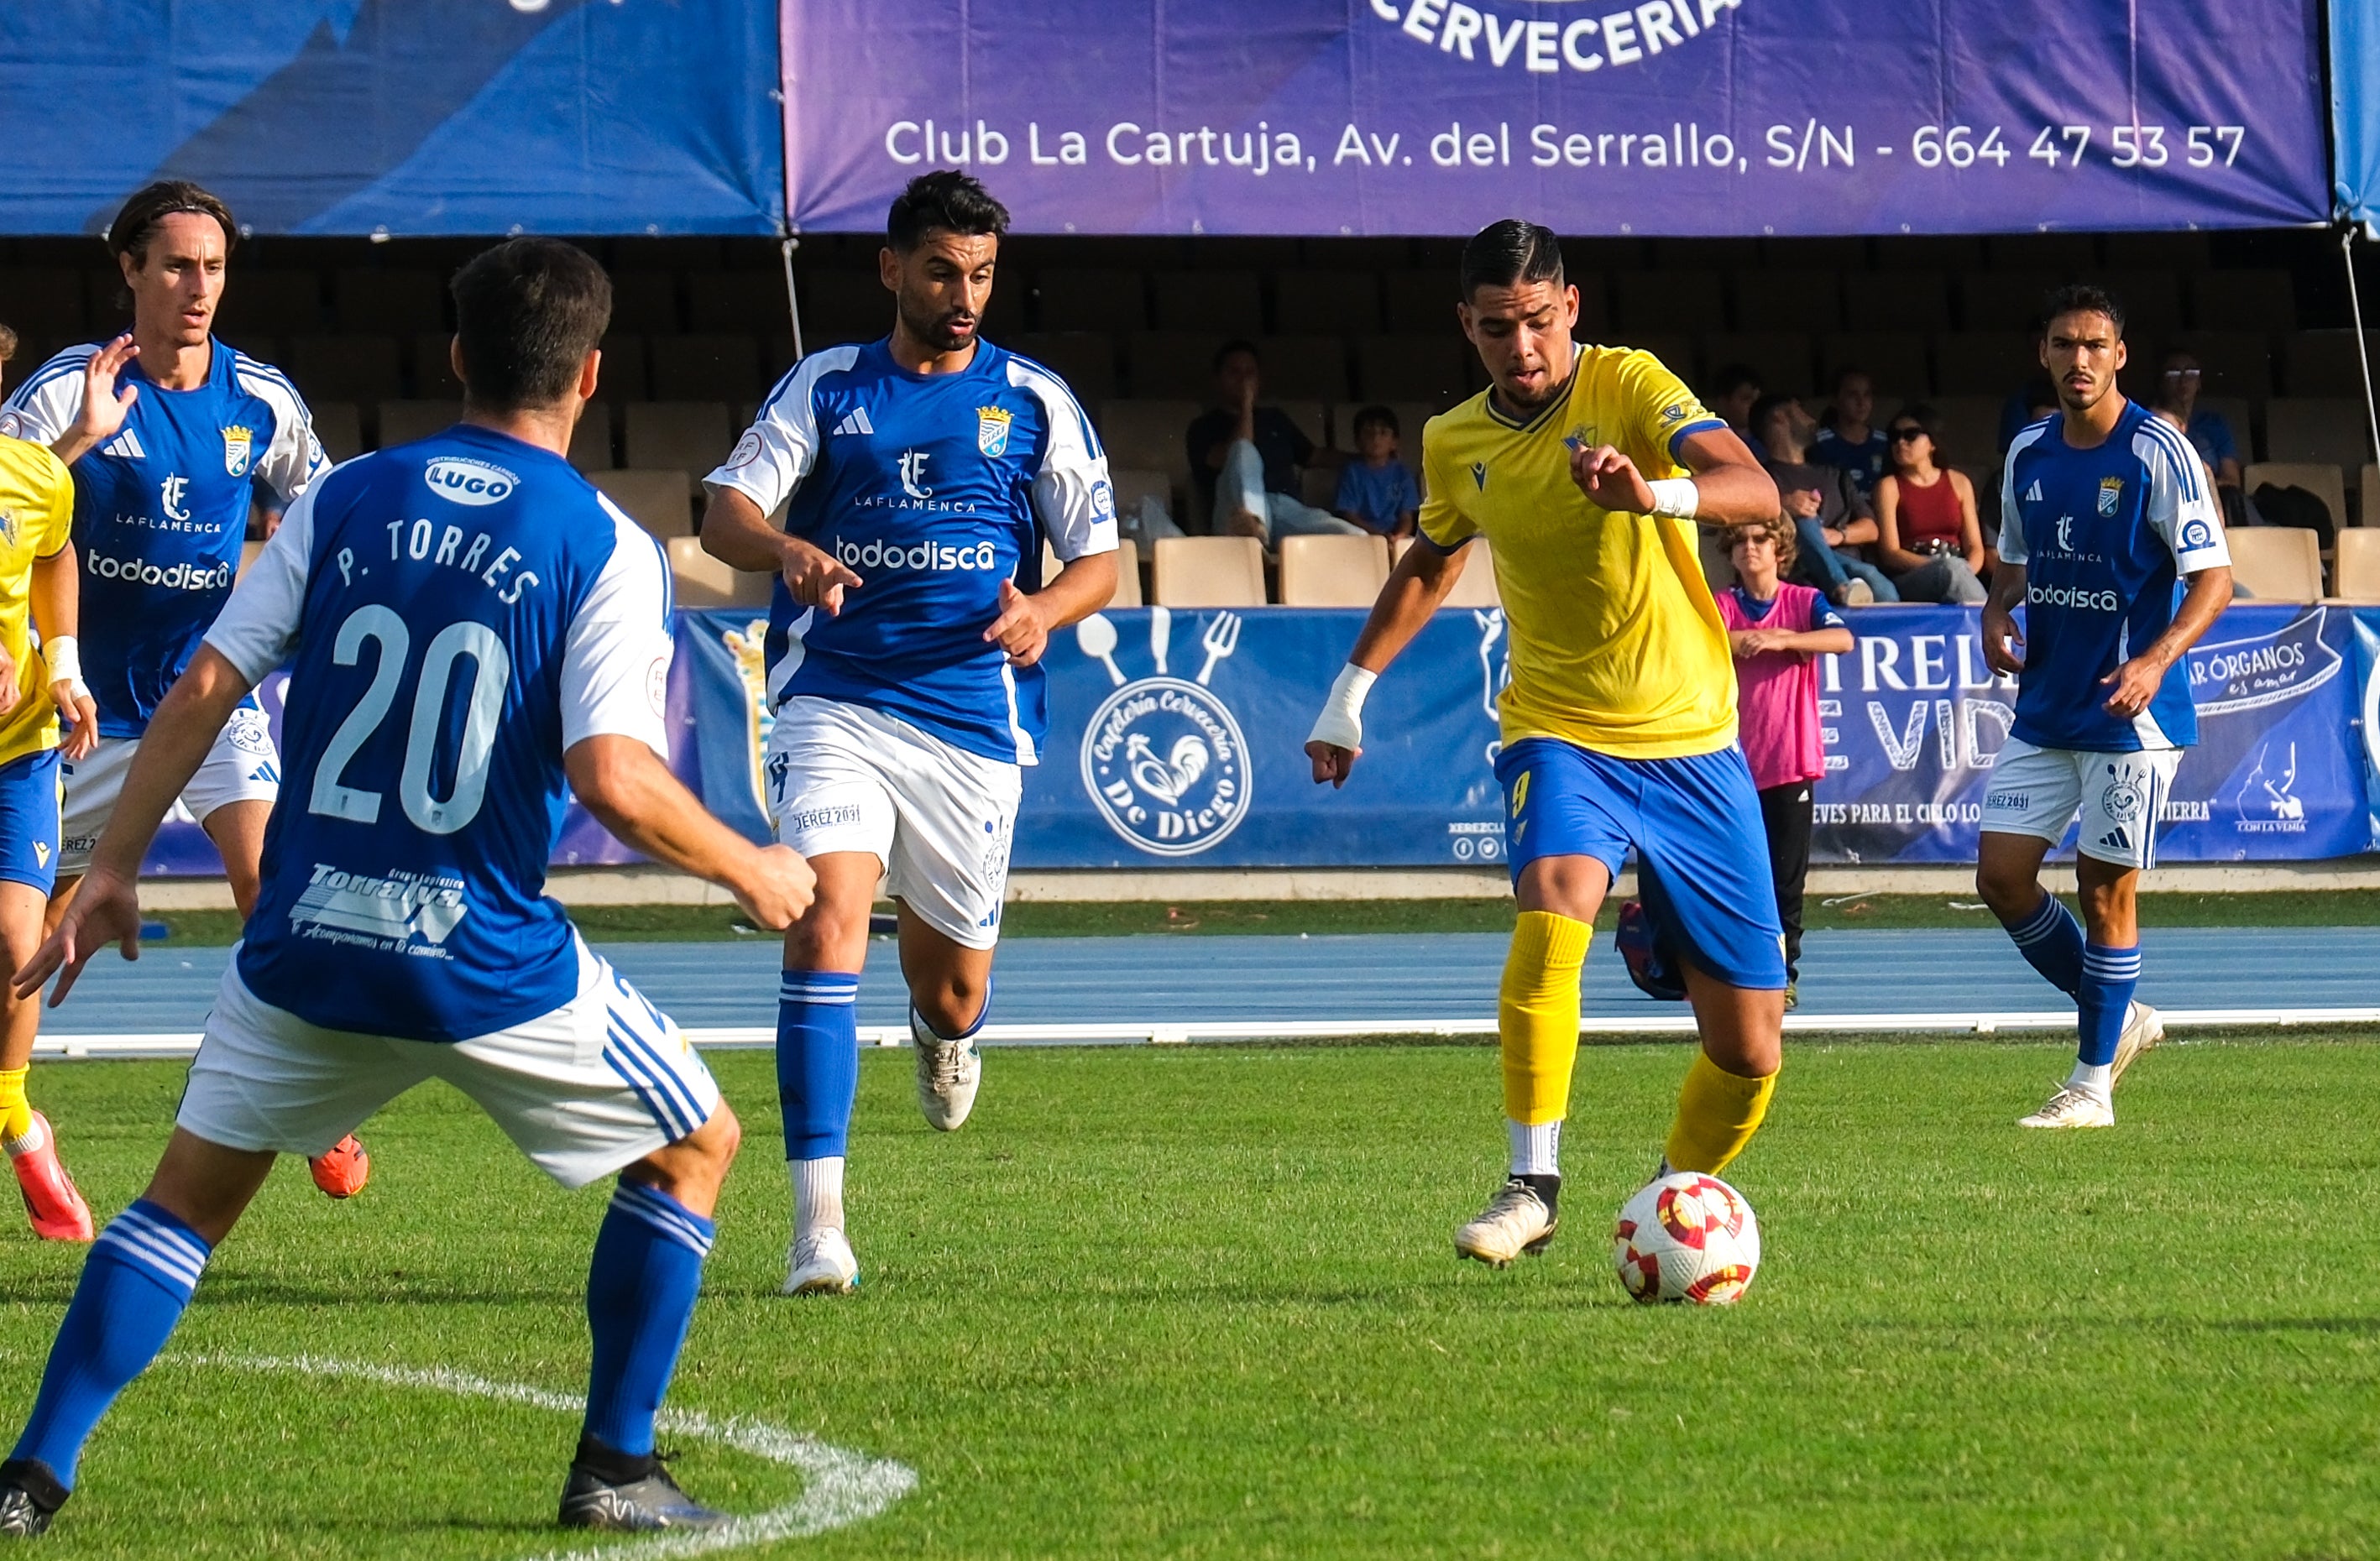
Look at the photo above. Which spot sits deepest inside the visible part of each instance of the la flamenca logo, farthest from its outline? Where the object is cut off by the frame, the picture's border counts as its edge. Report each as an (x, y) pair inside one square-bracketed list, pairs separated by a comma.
[(1550, 37)]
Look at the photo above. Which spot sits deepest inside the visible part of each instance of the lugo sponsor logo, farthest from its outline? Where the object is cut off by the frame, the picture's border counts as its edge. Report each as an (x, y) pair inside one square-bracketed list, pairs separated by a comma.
[(1550, 36), (405, 910), (182, 576), (469, 482), (2082, 601), (938, 557)]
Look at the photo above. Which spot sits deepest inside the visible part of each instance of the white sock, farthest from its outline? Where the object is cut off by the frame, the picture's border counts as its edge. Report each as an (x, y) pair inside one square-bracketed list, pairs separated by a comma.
[(817, 1194), (1536, 1151), (2096, 1079)]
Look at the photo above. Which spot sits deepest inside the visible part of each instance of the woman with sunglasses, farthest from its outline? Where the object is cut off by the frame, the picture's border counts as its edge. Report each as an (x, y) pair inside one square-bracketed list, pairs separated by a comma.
[(1928, 539)]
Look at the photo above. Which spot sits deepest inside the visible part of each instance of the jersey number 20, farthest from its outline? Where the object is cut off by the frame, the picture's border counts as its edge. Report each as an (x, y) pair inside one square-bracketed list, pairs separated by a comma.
[(491, 672)]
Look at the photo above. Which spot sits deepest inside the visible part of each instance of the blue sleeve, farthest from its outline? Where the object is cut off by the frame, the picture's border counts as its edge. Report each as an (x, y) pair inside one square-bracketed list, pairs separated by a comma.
[(1349, 494), (1824, 616), (1409, 493), (2215, 429)]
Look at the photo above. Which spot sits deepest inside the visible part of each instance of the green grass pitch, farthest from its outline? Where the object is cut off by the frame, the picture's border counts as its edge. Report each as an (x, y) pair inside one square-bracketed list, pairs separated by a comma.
[(1202, 1302)]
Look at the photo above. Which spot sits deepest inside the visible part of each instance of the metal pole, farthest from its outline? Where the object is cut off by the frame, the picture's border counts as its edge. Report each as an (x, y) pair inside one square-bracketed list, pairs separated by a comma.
[(2362, 351), (792, 300)]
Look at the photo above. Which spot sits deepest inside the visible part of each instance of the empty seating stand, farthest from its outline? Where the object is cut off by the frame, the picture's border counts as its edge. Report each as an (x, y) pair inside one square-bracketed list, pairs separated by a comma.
[(1209, 572), (2277, 562), (1333, 571)]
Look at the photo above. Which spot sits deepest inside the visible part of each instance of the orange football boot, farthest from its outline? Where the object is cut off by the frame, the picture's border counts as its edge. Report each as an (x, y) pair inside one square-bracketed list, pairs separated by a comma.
[(57, 1210), (342, 1168)]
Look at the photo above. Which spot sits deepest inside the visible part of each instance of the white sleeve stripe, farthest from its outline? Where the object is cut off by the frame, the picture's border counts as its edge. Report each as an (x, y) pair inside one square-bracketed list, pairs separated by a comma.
[(2183, 455), (70, 361), (625, 526), (1042, 381), (804, 376)]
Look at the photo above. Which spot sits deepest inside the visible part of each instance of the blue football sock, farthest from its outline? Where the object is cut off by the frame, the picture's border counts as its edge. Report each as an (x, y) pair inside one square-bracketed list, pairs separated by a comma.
[(134, 1287), (640, 1291), (2108, 977), (2051, 941), (818, 1060)]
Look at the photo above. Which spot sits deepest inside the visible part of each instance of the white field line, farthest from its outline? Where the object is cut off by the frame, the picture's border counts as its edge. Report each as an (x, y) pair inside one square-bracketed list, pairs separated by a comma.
[(1148, 1032), (841, 1487)]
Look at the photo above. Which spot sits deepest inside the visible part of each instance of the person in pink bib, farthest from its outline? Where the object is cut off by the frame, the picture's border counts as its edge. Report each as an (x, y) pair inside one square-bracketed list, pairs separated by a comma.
[(1778, 632)]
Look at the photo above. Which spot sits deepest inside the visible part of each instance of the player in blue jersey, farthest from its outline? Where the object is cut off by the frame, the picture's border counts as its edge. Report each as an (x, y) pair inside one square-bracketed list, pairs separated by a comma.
[(473, 626), (166, 431), (921, 475), (2111, 542)]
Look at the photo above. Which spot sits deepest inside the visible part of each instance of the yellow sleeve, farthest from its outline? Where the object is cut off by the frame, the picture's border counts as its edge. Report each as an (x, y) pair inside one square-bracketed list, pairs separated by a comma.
[(1440, 521), (58, 523), (1658, 410)]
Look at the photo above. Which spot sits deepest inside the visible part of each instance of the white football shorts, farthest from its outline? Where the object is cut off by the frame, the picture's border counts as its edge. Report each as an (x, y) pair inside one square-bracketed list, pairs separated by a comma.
[(243, 766), (844, 778), (598, 1084), (2038, 791)]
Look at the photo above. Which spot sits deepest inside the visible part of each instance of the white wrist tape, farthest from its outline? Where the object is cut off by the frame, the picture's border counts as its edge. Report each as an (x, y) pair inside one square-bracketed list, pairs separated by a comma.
[(1676, 496), (65, 656), (1340, 724)]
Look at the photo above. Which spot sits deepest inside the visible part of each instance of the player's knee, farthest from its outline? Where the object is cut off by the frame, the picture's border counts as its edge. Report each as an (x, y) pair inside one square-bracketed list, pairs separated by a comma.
[(2006, 892), (953, 1003)]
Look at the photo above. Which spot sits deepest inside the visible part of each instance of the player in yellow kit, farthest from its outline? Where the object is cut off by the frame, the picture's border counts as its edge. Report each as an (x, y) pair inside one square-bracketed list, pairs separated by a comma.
[(37, 578), (1586, 469)]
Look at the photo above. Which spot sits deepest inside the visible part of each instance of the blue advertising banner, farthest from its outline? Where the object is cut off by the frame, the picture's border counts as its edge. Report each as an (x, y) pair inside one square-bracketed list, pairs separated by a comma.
[(1596, 117), (408, 116), (2367, 710)]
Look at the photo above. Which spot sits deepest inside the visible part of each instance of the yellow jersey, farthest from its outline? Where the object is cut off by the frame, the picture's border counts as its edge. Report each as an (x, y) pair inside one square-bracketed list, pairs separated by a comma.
[(1615, 641), (36, 521)]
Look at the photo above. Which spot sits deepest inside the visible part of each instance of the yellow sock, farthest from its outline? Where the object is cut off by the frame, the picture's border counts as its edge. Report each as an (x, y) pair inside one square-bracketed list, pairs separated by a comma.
[(1717, 1114), (15, 1115), (1536, 1015)]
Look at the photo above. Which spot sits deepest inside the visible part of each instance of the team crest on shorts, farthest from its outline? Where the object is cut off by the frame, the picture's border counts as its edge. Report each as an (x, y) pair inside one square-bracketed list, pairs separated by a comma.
[(1163, 757), (2111, 489), (991, 424), (2122, 801), (238, 444)]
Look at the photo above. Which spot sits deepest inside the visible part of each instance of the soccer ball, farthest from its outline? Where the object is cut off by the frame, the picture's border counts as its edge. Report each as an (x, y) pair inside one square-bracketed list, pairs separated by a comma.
[(1687, 1237)]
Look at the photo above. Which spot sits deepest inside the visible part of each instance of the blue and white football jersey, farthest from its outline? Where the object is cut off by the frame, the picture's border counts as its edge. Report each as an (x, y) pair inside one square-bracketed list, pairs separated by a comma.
[(2103, 535), (932, 488), (461, 611), (161, 510)]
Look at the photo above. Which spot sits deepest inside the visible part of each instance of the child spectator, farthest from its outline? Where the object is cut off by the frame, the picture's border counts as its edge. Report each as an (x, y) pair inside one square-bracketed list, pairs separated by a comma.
[(1850, 443), (1377, 489), (1778, 631)]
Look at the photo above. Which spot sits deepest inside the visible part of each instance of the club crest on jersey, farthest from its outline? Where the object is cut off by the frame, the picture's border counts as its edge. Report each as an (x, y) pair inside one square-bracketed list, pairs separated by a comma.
[(991, 425), (2111, 489), (238, 444)]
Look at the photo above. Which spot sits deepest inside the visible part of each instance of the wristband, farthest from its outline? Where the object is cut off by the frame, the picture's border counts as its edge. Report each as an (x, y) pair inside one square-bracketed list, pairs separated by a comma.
[(1340, 724), (1676, 496), (65, 657)]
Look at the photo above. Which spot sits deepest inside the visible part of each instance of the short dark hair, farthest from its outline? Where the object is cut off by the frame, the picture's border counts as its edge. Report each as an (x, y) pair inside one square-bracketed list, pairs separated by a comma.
[(1377, 417), (526, 313), (947, 201), (1509, 253), (1237, 343), (2082, 298), (1733, 377), (136, 222), (1846, 370)]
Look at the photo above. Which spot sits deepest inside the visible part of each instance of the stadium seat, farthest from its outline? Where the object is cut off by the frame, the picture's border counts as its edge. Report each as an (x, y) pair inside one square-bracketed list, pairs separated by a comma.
[(646, 301), (2325, 482), (1333, 571), (1304, 368), (1666, 300), (339, 426), (2355, 573), (1893, 361), (273, 303), (1085, 359), (1317, 485), (403, 422), (1228, 301), (1344, 302), (2327, 429), (1128, 592), (841, 306), (2005, 301), (1209, 572), (1421, 303), (346, 367), (738, 302), (623, 375), (1896, 300), (1476, 587), (391, 303), (1783, 360), (1982, 362), (1151, 435), (2237, 362), (654, 499), (1172, 363), (591, 441), (1970, 435), (709, 368), (1311, 418), (699, 580), (2326, 362), (2277, 562), (1435, 368), (685, 436), (47, 302), (2261, 301), (1788, 300), (433, 366), (1089, 300), (2151, 300)]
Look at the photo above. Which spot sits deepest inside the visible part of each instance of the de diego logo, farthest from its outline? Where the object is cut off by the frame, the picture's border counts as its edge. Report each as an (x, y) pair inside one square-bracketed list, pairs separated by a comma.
[(1163, 758)]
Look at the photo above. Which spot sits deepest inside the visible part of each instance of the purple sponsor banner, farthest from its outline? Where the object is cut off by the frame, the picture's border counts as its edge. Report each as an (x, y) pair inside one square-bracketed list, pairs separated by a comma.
[(1670, 116)]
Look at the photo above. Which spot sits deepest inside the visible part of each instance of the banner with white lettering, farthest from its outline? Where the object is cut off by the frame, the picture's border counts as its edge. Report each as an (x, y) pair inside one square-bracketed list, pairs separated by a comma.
[(1597, 116)]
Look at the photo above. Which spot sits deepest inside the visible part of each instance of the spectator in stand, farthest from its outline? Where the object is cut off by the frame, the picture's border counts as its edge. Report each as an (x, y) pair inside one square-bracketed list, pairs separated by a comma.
[(2209, 432), (1377, 489), (1733, 389), (1932, 544), (1847, 442), (1831, 521), (1778, 632), (1244, 459)]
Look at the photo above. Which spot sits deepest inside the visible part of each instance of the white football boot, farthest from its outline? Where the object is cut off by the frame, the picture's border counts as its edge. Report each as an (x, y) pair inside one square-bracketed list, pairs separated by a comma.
[(2072, 1108), (821, 1264), (948, 1072), (2143, 1030), (1516, 1221)]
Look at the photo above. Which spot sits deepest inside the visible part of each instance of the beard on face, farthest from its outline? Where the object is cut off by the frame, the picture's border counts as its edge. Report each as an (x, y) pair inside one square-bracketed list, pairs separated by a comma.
[(939, 329)]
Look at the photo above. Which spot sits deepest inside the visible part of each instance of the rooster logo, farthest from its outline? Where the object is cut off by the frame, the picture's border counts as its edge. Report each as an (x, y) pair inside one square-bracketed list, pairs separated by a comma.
[(1168, 778)]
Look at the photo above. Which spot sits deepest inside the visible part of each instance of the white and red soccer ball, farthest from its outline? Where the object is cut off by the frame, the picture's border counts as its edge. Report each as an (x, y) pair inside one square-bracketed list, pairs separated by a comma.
[(1687, 1237)]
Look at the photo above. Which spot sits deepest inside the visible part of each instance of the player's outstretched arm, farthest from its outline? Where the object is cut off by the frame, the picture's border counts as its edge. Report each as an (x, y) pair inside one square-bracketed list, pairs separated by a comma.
[(2133, 684), (626, 787), (1416, 588), (737, 534)]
